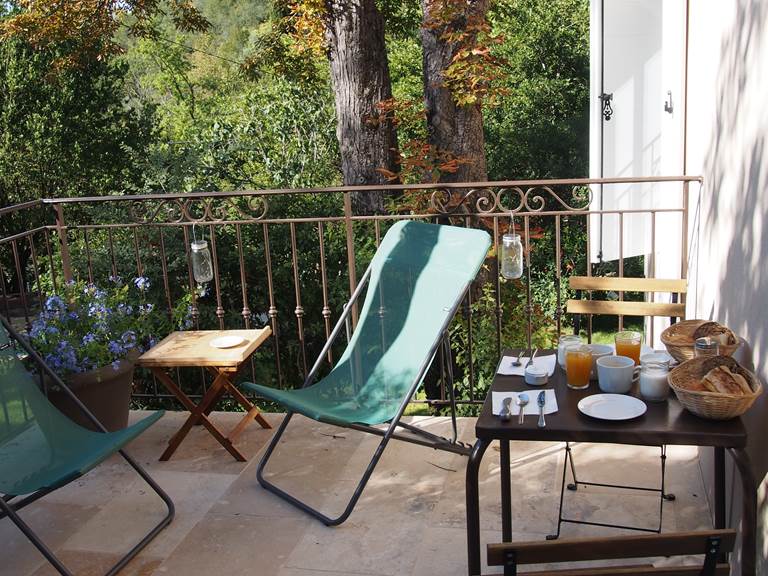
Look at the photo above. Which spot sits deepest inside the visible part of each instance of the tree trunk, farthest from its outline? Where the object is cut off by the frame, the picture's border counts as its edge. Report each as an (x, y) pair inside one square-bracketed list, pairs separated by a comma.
[(360, 79), (452, 128)]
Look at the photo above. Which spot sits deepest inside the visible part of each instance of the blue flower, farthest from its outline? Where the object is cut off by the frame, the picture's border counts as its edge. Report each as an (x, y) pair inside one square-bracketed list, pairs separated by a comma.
[(115, 348), (88, 338), (146, 308), (117, 280), (142, 283), (55, 304)]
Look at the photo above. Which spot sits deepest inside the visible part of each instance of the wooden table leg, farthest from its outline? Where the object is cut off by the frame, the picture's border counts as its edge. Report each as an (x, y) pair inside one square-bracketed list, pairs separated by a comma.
[(252, 411), (197, 413)]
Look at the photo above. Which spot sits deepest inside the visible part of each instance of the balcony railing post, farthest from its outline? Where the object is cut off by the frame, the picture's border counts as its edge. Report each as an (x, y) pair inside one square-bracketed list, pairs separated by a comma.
[(684, 239), (350, 233), (61, 228)]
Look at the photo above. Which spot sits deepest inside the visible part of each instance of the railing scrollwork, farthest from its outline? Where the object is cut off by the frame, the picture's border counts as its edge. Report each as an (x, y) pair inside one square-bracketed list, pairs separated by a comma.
[(213, 209), (515, 199)]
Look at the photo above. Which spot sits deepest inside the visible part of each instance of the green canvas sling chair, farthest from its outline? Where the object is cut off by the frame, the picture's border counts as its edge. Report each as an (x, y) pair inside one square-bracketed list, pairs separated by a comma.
[(42, 450), (416, 281)]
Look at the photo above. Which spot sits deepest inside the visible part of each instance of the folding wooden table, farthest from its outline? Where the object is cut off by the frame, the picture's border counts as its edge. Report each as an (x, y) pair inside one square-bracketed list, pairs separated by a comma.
[(194, 349)]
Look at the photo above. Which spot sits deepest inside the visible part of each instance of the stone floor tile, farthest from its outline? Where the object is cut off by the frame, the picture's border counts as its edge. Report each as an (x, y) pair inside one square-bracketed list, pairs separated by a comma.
[(234, 546), (86, 563), (53, 522), (124, 520)]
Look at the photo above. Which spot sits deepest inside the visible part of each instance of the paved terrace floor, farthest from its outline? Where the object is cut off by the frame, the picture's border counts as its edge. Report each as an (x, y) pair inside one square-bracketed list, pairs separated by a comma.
[(409, 521)]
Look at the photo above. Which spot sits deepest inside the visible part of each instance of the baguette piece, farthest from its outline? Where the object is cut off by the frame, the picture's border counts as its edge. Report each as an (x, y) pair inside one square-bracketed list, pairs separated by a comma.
[(721, 380), (739, 379)]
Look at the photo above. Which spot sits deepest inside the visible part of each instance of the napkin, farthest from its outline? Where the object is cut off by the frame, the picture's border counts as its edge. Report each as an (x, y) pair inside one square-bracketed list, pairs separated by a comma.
[(544, 362), (550, 405)]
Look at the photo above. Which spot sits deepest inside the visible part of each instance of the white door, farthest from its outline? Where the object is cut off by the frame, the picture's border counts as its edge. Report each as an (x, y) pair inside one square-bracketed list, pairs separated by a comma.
[(637, 68)]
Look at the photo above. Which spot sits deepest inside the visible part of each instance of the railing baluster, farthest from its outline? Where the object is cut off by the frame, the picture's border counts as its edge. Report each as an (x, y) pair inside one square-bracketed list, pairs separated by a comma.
[(216, 278), (20, 276), (528, 303), (195, 310), (653, 269), (164, 267), (324, 279), (299, 311), (558, 276), (497, 284), (61, 227), (137, 251), (6, 300), (88, 257), (246, 312), (54, 276), (272, 313), (621, 265), (35, 268), (111, 244)]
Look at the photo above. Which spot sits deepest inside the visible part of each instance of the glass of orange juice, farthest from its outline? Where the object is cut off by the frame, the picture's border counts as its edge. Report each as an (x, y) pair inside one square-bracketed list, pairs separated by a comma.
[(578, 365), (628, 344)]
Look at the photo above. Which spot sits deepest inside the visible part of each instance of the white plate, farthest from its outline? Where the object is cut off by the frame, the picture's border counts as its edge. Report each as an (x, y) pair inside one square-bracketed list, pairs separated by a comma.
[(612, 406), (227, 341)]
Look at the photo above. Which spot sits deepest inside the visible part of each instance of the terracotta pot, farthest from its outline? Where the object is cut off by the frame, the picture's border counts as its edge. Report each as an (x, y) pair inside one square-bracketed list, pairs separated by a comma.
[(106, 392)]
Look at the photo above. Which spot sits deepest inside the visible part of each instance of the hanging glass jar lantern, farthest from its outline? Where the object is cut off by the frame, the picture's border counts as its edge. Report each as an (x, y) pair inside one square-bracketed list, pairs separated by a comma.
[(202, 265), (511, 256)]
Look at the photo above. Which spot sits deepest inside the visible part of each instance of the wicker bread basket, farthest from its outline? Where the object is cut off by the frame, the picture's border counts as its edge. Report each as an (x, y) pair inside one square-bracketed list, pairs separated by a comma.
[(707, 404), (680, 337)]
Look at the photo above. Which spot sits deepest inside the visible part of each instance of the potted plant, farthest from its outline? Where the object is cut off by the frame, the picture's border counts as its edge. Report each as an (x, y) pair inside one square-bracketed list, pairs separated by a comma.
[(91, 337)]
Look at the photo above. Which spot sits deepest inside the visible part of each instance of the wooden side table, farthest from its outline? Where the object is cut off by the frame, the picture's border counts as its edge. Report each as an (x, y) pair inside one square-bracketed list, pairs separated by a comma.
[(194, 349)]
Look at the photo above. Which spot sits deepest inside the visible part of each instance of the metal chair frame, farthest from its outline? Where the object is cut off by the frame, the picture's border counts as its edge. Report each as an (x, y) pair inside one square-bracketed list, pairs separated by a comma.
[(10, 506), (417, 435)]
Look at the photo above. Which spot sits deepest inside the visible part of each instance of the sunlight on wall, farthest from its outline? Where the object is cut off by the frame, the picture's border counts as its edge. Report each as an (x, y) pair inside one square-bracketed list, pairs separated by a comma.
[(727, 128)]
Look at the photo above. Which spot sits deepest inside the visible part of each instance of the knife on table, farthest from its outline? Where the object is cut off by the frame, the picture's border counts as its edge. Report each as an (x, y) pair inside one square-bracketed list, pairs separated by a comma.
[(541, 400)]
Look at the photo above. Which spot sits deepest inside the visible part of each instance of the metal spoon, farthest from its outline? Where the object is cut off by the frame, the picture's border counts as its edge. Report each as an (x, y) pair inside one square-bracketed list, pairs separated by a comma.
[(517, 362), (505, 412), (522, 400)]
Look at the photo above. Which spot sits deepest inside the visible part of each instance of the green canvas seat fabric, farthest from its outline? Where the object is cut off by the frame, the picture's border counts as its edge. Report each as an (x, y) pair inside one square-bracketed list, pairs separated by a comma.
[(418, 274), (41, 448)]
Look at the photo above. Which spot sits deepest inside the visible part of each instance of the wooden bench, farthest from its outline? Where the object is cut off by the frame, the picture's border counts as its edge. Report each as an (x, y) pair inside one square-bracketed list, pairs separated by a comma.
[(627, 308), (713, 544)]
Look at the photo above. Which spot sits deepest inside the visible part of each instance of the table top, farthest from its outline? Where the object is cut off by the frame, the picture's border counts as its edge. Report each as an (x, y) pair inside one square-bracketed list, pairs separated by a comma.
[(193, 348), (663, 423)]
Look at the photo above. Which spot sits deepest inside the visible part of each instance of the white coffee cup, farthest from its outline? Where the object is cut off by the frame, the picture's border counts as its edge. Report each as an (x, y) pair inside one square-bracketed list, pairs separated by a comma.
[(615, 374), (598, 351)]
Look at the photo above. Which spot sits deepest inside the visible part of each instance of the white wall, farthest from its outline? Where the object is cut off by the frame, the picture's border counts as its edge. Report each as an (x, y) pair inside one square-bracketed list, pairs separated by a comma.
[(727, 144)]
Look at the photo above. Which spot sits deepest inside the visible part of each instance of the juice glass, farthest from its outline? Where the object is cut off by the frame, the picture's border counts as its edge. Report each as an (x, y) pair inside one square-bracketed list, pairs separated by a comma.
[(578, 365), (628, 344)]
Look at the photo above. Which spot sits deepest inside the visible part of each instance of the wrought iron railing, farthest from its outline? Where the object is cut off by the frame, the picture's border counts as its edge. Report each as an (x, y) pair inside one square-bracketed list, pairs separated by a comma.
[(290, 259)]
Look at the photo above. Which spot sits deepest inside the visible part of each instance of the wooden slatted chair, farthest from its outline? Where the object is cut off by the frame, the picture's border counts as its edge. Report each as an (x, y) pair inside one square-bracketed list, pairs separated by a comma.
[(625, 308), (579, 306), (713, 544)]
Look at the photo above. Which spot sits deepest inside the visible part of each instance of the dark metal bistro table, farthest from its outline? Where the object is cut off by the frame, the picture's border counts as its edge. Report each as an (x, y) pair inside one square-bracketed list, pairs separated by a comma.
[(663, 423)]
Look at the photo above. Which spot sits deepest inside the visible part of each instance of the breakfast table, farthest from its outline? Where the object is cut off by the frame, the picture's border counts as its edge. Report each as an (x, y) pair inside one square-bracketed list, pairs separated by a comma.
[(664, 423), (223, 353)]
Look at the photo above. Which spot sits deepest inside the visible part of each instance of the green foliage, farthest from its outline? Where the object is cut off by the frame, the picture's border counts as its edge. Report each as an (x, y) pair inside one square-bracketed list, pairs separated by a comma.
[(540, 127), (65, 134)]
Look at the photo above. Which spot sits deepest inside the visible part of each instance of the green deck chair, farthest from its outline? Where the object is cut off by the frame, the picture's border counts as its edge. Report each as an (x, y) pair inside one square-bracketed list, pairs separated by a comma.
[(416, 282), (42, 450)]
